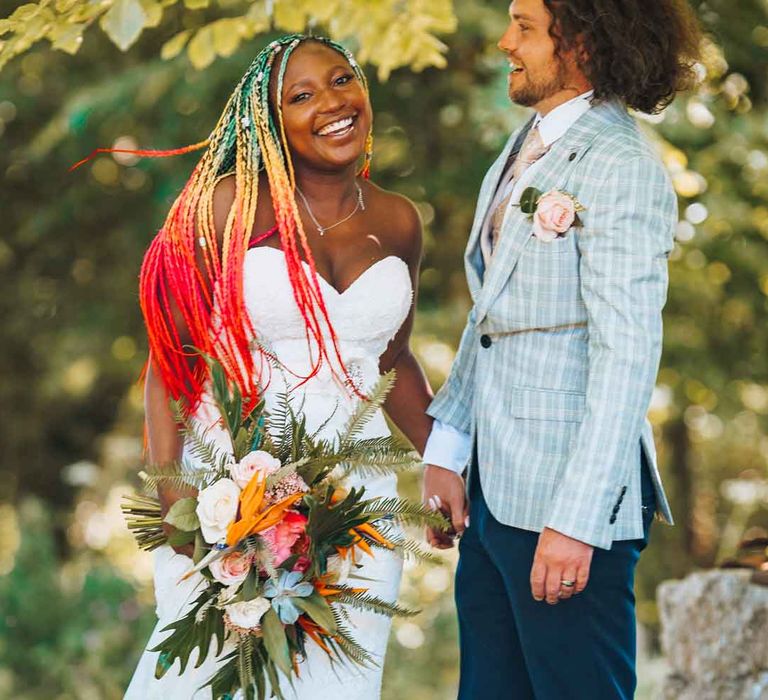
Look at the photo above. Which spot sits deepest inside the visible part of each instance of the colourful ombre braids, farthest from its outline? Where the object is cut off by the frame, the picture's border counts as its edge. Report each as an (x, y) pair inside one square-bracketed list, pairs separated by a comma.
[(188, 276)]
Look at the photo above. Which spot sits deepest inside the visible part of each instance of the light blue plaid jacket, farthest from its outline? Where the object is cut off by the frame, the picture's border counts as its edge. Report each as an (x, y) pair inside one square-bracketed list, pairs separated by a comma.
[(557, 363)]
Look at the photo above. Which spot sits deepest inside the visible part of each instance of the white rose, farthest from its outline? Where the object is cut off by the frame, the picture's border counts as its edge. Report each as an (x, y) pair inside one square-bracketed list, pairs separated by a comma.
[(338, 569), (217, 508), (258, 462), (248, 613)]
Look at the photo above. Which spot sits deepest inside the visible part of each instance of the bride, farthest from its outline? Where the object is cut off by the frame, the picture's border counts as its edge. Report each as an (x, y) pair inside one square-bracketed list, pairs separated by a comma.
[(279, 250)]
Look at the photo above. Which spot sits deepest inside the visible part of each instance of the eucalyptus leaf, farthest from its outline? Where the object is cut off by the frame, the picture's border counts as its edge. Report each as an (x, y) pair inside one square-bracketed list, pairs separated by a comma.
[(318, 609), (275, 641), (251, 586), (180, 538), (241, 444), (182, 515), (201, 548)]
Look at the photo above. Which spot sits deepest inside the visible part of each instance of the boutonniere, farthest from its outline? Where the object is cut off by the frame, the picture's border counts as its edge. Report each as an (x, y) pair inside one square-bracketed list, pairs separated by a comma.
[(553, 213)]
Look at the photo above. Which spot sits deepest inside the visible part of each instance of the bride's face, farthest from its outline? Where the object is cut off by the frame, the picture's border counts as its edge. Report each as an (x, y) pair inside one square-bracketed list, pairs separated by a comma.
[(326, 112)]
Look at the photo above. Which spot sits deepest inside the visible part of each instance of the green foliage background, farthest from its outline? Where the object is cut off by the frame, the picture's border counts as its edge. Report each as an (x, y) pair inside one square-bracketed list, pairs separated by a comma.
[(75, 595)]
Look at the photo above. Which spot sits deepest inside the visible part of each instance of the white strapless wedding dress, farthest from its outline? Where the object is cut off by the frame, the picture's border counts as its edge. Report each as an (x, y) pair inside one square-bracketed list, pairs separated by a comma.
[(366, 316)]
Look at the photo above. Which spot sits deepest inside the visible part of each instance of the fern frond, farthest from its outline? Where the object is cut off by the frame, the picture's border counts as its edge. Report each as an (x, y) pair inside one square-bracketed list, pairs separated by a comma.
[(406, 547), (285, 471), (197, 479), (405, 512), (379, 457), (245, 660), (202, 449), (366, 409), (344, 643), (279, 416), (255, 545), (365, 601), (324, 424)]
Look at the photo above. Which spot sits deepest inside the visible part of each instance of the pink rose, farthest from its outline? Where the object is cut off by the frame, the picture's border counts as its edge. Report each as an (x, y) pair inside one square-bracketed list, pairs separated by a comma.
[(555, 214), (232, 568), (280, 538), (258, 462)]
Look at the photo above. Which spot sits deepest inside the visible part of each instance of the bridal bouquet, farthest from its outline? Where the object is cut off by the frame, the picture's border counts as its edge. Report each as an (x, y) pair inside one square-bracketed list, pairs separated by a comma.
[(276, 537)]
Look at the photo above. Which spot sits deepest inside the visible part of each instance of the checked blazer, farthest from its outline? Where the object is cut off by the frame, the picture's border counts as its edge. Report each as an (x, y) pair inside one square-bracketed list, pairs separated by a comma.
[(558, 360)]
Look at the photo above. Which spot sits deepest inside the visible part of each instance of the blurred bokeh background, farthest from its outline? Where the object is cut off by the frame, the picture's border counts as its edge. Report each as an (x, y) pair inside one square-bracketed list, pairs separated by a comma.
[(75, 593)]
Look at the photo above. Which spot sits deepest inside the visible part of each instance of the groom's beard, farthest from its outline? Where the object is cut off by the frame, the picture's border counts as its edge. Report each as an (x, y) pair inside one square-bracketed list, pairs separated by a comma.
[(536, 89)]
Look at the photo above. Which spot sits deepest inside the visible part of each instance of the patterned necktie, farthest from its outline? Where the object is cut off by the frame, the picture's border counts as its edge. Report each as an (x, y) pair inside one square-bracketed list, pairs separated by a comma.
[(533, 148)]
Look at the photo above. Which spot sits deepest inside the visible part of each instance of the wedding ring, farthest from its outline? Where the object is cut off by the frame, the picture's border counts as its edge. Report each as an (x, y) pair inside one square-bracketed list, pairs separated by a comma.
[(567, 584)]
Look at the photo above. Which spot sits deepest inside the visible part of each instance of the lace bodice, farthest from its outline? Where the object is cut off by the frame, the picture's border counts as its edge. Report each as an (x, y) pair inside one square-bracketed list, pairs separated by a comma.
[(365, 316)]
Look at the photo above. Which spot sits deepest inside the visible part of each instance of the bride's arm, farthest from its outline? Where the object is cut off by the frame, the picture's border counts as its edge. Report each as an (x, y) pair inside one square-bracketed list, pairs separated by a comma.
[(164, 441), (407, 403)]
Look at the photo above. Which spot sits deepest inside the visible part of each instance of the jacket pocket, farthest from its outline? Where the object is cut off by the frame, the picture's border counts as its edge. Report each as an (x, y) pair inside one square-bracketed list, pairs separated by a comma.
[(559, 246), (547, 404)]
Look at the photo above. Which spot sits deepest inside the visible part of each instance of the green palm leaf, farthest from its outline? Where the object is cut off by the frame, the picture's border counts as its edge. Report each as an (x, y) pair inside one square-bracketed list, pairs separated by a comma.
[(188, 633)]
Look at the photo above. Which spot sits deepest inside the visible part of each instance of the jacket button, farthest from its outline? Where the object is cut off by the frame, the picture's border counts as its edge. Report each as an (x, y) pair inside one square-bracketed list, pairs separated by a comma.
[(572, 157), (485, 341), (612, 519), (615, 509), (623, 490)]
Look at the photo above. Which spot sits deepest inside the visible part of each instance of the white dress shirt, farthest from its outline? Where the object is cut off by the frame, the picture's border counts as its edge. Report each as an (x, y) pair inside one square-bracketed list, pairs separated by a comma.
[(448, 447)]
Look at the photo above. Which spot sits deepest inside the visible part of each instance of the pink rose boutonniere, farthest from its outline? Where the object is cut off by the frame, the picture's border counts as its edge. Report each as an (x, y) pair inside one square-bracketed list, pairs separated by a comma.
[(553, 213)]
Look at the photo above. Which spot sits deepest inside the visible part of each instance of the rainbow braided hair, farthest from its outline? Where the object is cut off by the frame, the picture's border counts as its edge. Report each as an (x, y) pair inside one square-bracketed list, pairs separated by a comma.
[(187, 274)]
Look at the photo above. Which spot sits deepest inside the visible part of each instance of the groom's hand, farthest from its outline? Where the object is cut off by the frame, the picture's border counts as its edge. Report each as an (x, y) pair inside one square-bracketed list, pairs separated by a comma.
[(444, 489), (559, 558)]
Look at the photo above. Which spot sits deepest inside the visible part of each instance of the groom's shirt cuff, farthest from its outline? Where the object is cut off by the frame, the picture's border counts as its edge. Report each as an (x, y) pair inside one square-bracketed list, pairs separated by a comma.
[(448, 447)]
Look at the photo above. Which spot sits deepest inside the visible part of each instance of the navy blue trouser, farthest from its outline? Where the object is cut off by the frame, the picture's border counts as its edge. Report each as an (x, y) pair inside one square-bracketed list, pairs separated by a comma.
[(514, 648)]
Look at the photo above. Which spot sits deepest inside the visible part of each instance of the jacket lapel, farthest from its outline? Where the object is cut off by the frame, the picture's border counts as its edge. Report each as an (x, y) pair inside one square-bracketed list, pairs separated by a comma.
[(473, 257), (554, 173)]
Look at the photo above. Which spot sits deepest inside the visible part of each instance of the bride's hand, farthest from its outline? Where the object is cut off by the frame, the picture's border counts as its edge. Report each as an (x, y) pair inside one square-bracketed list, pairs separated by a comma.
[(167, 498)]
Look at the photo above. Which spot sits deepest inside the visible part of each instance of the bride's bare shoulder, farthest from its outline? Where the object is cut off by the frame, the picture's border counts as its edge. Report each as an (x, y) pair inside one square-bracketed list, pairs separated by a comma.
[(397, 220)]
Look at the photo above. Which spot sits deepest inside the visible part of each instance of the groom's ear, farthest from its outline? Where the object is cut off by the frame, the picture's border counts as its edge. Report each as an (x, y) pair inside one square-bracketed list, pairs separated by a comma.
[(581, 53)]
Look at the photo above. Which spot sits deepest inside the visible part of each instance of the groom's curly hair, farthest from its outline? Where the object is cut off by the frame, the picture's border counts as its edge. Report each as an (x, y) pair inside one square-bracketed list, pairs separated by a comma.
[(641, 51)]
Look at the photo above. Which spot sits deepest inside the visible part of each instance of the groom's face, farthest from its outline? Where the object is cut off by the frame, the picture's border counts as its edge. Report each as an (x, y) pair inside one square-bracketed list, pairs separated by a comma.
[(539, 77)]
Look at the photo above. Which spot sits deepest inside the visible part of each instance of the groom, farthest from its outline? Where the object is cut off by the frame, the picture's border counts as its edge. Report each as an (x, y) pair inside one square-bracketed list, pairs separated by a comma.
[(544, 409)]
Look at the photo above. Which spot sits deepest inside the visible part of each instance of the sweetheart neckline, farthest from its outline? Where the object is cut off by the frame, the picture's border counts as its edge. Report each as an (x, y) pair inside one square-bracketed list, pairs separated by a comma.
[(325, 281)]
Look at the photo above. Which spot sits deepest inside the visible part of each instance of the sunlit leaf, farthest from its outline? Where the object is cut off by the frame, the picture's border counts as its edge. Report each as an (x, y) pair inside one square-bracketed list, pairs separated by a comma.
[(290, 15), (174, 46), (154, 12), (69, 38), (123, 22), (201, 51), (226, 36), (24, 13)]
